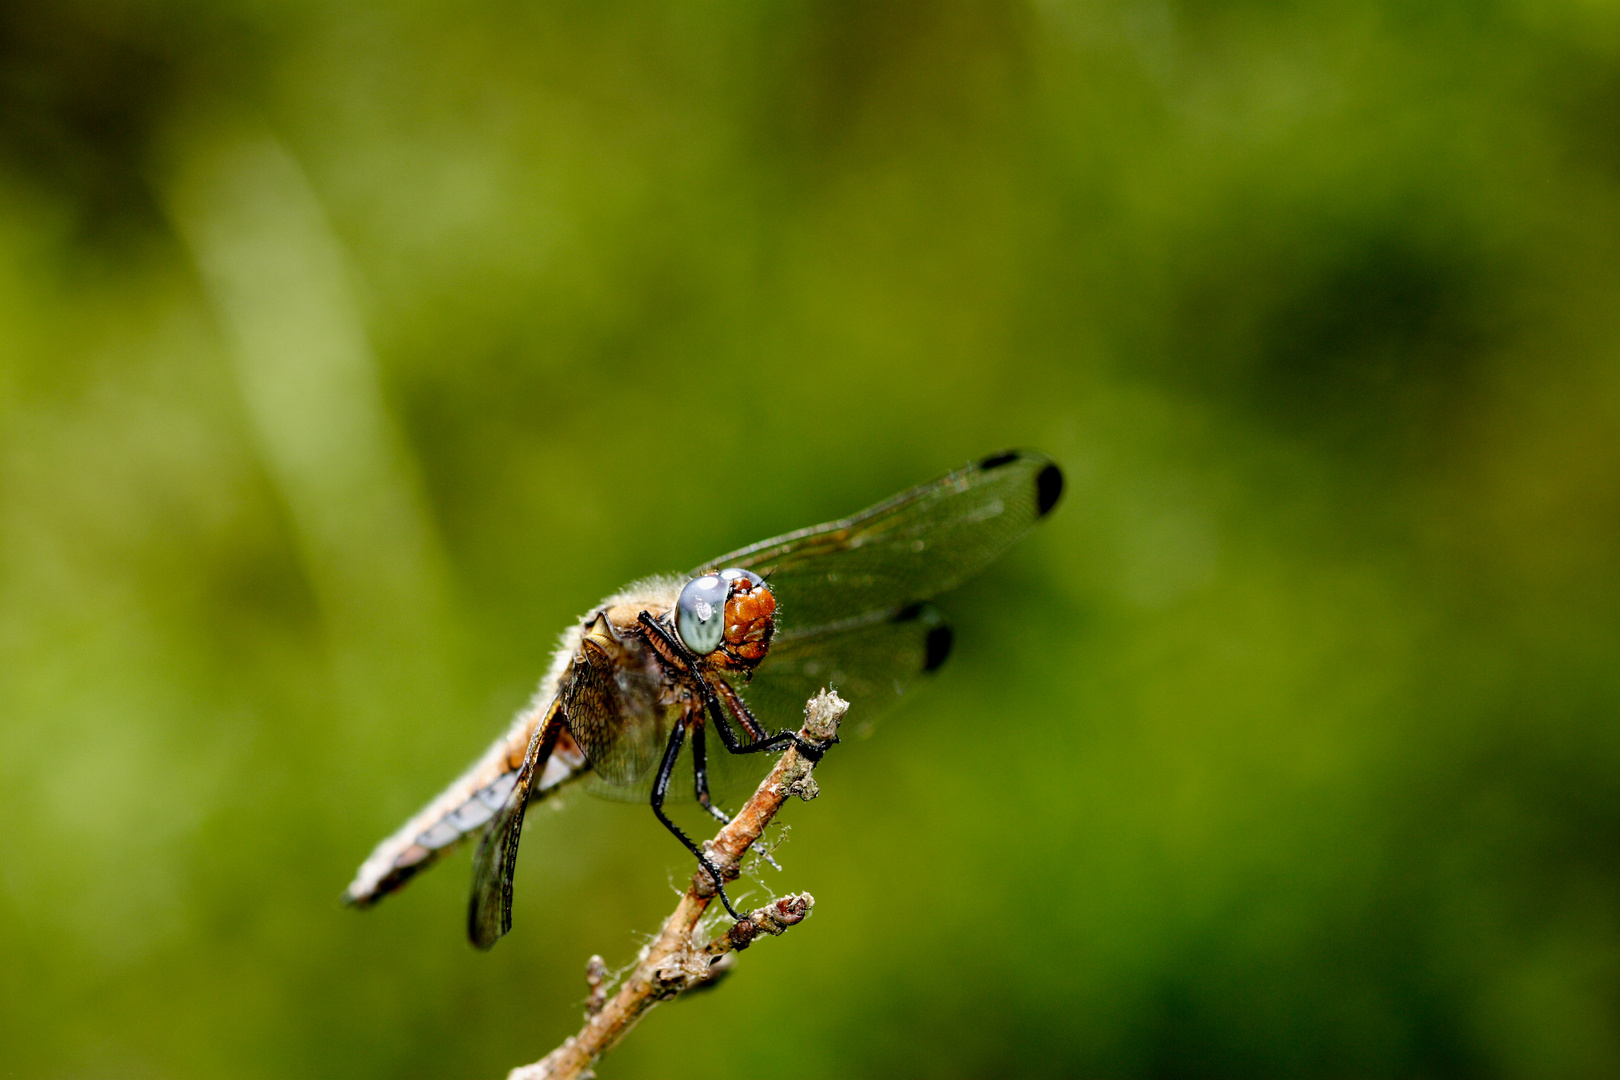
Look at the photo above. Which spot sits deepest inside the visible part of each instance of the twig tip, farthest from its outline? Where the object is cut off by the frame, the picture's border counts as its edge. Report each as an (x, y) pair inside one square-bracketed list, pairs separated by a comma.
[(822, 714)]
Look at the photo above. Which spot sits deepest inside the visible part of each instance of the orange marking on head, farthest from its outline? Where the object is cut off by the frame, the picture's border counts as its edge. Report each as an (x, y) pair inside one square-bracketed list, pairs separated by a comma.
[(750, 622)]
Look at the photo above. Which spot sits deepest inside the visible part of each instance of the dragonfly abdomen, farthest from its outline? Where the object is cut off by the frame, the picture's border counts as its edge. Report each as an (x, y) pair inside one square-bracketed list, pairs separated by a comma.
[(467, 804)]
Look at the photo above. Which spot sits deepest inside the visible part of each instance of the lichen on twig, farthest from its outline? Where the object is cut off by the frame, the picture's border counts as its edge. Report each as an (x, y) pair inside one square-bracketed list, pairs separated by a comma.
[(675, 961)]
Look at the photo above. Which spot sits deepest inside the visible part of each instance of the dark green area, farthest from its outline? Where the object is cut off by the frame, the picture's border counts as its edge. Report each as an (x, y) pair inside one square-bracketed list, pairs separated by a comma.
[(1290, 745)]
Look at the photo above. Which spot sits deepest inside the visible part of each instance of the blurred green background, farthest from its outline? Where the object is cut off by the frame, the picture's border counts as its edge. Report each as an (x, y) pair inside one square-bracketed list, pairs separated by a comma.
[(350, 351)]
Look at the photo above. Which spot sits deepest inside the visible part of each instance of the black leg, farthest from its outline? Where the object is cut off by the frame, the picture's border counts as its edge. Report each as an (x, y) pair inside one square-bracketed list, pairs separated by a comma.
[(700, 781), (700, 778), (745, 716), (666, 768), (761, 743), (688, 664), (679, 657), (700, 775)]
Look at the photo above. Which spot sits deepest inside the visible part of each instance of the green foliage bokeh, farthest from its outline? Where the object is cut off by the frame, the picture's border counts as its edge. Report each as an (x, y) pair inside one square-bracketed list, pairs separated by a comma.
[(351, 351)]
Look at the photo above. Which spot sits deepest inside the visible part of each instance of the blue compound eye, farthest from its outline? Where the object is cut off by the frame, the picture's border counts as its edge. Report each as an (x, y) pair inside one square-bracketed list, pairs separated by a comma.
[(700, 614)]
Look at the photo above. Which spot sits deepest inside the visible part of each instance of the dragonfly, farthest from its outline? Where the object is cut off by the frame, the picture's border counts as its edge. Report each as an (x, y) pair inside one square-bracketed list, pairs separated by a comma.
[(635, 687)]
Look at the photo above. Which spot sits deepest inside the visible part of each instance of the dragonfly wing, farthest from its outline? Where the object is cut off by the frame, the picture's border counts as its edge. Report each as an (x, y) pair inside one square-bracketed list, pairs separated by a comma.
[(489, 908), (616, 715), (908, 548), (872, 664), (729, 775), (614, 711), (633, 764)]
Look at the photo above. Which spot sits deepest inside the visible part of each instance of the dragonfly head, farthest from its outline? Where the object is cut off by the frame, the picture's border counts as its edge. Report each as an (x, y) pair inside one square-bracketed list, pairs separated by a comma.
[(727, 617)]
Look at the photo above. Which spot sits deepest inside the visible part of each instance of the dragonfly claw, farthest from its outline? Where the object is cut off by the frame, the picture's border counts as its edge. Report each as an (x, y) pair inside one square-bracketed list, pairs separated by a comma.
[(813, 749)]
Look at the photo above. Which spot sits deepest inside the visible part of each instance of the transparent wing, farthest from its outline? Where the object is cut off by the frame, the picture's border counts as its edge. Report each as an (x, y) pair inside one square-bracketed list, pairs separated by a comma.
[(489, 907), (615, 716), (871, 665), (855, 571), (729, 774)]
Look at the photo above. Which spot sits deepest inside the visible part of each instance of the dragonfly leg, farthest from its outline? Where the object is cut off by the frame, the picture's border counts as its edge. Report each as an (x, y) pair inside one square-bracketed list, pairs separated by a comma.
[(680, 657), (745, 716), (673, 654), (700, 784), (666, 768), (663, 641), (700, 775), (762, 743)]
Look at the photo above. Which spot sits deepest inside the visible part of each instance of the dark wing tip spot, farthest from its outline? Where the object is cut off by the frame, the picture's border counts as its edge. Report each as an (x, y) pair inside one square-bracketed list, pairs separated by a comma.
[(1048, 487), (909, 613), (937, 647), (996, 461)]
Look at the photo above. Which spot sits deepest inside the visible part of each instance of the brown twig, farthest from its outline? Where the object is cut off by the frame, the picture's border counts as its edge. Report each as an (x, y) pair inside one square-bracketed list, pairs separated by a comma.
[(675, 962)]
